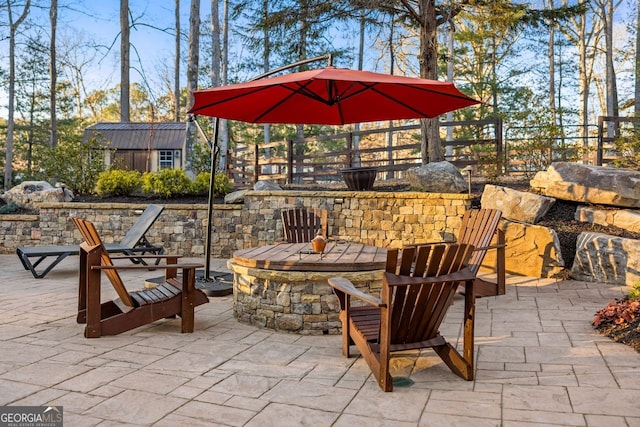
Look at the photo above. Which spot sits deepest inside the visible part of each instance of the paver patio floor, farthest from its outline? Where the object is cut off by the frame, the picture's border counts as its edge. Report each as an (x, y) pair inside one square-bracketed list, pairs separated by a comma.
[(539, 362)]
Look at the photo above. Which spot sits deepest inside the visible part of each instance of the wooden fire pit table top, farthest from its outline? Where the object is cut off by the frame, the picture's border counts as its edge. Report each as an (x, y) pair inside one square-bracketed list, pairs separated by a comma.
[(338, 256)]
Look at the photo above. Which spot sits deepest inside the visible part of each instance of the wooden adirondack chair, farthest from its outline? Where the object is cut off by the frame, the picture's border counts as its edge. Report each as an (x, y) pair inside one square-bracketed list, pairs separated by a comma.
[(301, 225), (417, 290), (132, 309), (480, 229)]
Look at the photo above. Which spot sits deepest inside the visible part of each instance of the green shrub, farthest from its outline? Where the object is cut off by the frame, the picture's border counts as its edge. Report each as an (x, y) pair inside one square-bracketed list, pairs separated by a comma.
[(200, 185), (9, 209), (166, 183), (634, 292), (221, 185), (76, 164), (118, 182)]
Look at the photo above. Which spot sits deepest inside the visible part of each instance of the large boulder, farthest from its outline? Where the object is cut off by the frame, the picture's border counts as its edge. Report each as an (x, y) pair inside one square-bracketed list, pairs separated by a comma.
[(607, 259), (266, 185), (516, 205), (590, 184), (532, 250), (622, 218), (437, 177), (235, 197), (29, 193)]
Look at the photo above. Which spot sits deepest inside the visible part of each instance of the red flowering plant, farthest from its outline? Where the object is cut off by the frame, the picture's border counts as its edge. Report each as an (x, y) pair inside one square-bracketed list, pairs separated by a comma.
[(618, 312)]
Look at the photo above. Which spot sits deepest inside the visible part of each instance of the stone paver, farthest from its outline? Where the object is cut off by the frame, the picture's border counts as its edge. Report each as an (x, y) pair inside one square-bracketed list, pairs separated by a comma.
[(538, 362)]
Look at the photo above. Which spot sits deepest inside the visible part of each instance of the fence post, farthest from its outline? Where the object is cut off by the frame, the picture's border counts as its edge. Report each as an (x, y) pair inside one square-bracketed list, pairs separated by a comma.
[(256, 164), (289, 161), (600, 141), (349, 150), (499, 154)]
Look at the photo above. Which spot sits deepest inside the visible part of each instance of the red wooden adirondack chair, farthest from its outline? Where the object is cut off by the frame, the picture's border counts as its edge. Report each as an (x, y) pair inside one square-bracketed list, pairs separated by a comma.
[(417, 290), (132, 309), (301, 225)]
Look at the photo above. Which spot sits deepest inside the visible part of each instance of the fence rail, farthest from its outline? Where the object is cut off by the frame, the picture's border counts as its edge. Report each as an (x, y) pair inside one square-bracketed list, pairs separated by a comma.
[(392, 150), (479, 144)]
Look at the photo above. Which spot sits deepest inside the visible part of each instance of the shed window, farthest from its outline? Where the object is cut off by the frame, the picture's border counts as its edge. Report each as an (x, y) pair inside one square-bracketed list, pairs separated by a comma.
[(165, 159)]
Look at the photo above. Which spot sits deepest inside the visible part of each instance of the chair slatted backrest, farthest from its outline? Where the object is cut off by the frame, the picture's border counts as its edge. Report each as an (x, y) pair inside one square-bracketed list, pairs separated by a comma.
[(417, 310), (477, 229), (92, 238), (301, 225)]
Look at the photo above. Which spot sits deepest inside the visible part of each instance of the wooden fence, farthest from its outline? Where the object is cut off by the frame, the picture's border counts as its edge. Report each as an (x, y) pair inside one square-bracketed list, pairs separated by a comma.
[(392, 150)]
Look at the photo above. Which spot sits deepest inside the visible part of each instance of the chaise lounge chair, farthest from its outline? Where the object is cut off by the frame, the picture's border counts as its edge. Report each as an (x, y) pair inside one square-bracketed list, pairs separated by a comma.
[(134, 242)]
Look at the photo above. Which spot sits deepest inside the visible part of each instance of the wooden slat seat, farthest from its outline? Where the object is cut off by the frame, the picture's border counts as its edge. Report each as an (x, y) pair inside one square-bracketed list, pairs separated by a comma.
[(131, 309), (417, 290)]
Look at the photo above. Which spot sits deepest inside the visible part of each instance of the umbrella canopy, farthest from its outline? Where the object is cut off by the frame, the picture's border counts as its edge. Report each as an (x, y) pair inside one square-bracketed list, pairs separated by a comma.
[(331, 96)]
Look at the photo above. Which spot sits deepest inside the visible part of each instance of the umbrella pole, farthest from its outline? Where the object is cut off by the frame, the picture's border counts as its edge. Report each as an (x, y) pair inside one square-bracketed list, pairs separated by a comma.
[(207, 253)]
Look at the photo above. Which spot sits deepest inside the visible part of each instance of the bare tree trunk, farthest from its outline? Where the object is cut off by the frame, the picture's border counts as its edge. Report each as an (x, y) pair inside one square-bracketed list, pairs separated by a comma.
[(13, 28), (53, 72), (552, 69), (431, 149), (266, 43), (192, 72), (124, 62), (584, 82), (636, 99), (194, 45), (176, 65), (612, 90), (224, 124), (215, 60)]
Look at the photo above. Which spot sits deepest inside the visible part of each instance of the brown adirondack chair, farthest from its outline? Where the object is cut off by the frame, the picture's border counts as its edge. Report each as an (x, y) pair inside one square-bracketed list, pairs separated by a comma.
[(480, 229), (301, 225), (417, 290), (177, 296)]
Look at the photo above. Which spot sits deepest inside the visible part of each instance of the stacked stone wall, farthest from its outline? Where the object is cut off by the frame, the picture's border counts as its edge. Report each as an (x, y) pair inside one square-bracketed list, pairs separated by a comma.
[(376, 218)]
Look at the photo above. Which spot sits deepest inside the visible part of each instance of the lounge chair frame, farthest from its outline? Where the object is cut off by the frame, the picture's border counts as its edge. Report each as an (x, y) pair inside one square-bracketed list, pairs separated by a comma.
[(133, 243)]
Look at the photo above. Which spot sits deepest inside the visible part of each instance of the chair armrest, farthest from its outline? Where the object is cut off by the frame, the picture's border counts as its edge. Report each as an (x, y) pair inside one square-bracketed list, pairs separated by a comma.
[(165, 256), (442, 242), (483, 248), (345, 286), (191, 266), (459, 276)]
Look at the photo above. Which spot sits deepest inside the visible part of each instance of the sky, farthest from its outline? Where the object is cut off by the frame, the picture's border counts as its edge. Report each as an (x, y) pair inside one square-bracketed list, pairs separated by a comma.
[(99, 20)]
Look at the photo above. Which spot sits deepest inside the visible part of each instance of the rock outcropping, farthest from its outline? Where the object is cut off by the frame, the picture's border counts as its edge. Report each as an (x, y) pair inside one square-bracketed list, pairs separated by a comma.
[(29, 193), (590, 184), (437, 177)]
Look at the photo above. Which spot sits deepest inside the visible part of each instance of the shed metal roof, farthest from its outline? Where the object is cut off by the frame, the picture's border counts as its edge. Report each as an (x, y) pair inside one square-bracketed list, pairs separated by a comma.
[(137, 136)]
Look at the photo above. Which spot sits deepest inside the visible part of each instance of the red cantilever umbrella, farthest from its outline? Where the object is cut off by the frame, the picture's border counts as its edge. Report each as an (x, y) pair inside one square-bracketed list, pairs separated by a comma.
[(331, 96)]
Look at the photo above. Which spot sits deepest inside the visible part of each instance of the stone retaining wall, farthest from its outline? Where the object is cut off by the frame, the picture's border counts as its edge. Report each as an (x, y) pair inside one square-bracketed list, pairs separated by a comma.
[(376, 218)]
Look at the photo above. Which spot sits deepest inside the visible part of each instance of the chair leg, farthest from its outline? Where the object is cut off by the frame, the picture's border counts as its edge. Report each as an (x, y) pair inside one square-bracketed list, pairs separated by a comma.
[(93, 329), (462, 365), (188, 293), (345, 334)]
